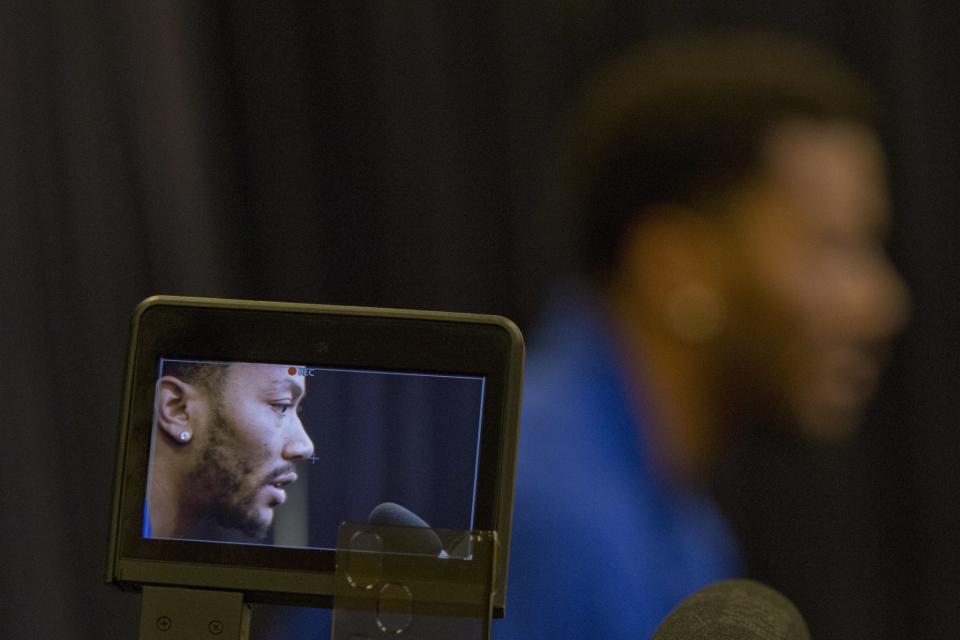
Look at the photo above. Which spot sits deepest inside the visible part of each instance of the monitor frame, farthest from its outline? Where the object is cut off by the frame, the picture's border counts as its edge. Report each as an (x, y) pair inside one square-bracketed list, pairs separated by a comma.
[(311, 335)]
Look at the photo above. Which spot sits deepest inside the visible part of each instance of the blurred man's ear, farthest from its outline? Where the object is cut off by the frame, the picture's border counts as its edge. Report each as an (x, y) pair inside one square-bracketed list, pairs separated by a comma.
[(673, 264), (177, 409)]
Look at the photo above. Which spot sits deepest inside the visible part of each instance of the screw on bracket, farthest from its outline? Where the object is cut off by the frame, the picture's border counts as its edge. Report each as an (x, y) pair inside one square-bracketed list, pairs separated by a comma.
[(163, 623), (215, 627)]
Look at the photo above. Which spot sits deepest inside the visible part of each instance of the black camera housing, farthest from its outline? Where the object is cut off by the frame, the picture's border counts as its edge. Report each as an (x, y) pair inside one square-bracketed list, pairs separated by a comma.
[(320, 336)]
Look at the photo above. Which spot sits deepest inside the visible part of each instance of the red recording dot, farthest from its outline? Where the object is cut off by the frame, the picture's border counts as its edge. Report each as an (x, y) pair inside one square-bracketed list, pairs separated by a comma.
[(292, 371)]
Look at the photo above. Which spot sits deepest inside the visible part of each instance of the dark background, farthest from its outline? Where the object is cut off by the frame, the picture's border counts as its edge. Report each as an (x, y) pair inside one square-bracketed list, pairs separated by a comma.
[(399, 154), (382, 437)]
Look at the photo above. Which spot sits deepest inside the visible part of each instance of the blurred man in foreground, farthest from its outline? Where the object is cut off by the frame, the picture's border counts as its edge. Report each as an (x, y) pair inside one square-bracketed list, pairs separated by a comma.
[(733, 209)]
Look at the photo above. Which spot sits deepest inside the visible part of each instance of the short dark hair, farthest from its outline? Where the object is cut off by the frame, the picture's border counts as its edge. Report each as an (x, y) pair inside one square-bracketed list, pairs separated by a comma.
[(208, 375), (684, 119)]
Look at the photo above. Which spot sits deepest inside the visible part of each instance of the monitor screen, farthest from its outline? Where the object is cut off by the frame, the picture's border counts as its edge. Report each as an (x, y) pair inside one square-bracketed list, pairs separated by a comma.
[(251, 431), (280, 454)]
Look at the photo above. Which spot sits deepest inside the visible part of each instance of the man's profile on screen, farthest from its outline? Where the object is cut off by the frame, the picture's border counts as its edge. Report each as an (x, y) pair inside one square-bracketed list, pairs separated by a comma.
[(226, 439)]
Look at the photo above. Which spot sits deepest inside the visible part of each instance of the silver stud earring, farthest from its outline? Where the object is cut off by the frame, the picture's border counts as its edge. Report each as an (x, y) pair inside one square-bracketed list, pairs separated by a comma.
[(185, 436)]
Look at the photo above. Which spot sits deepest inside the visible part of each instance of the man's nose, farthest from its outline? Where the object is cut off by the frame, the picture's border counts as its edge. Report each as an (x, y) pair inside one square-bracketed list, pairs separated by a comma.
[(298, 446), (877, 300), (891, 303)]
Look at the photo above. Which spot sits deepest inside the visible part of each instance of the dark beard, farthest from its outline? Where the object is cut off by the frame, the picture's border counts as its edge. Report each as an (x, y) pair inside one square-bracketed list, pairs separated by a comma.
[(221, 495)]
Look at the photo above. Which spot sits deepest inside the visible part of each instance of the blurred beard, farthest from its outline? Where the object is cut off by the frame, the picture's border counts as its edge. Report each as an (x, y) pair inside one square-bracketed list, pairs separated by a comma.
[(224, 483)]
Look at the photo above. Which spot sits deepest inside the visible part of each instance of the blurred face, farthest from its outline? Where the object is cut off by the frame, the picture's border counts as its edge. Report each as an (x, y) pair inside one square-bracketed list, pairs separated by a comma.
[(255, 436), (813, 297)]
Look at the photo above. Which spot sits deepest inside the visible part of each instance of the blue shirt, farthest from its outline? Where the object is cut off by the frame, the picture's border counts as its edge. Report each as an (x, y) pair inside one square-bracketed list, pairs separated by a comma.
[(603, 547)]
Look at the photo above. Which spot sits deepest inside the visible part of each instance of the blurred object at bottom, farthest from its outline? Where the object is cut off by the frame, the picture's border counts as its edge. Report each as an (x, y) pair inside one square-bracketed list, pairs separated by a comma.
[(734, 610)]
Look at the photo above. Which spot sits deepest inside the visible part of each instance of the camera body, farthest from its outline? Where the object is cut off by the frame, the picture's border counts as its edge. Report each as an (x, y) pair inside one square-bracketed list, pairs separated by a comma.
[(250, 431)]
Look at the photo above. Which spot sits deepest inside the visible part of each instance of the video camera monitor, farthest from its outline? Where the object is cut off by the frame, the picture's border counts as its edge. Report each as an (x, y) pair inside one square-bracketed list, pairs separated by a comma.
[(250, 431)]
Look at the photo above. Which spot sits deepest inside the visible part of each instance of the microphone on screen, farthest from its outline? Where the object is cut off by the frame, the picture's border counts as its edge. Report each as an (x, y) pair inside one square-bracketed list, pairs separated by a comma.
[(734, 610), (407, 533)]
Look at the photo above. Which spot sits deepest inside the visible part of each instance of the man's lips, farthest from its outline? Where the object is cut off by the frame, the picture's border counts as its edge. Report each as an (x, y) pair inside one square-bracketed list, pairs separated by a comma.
[(853, 373), (274, 487), (281, 481)]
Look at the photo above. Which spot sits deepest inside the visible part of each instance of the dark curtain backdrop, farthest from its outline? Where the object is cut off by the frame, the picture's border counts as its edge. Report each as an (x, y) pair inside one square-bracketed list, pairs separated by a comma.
[(412, 440), (388, 153)]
